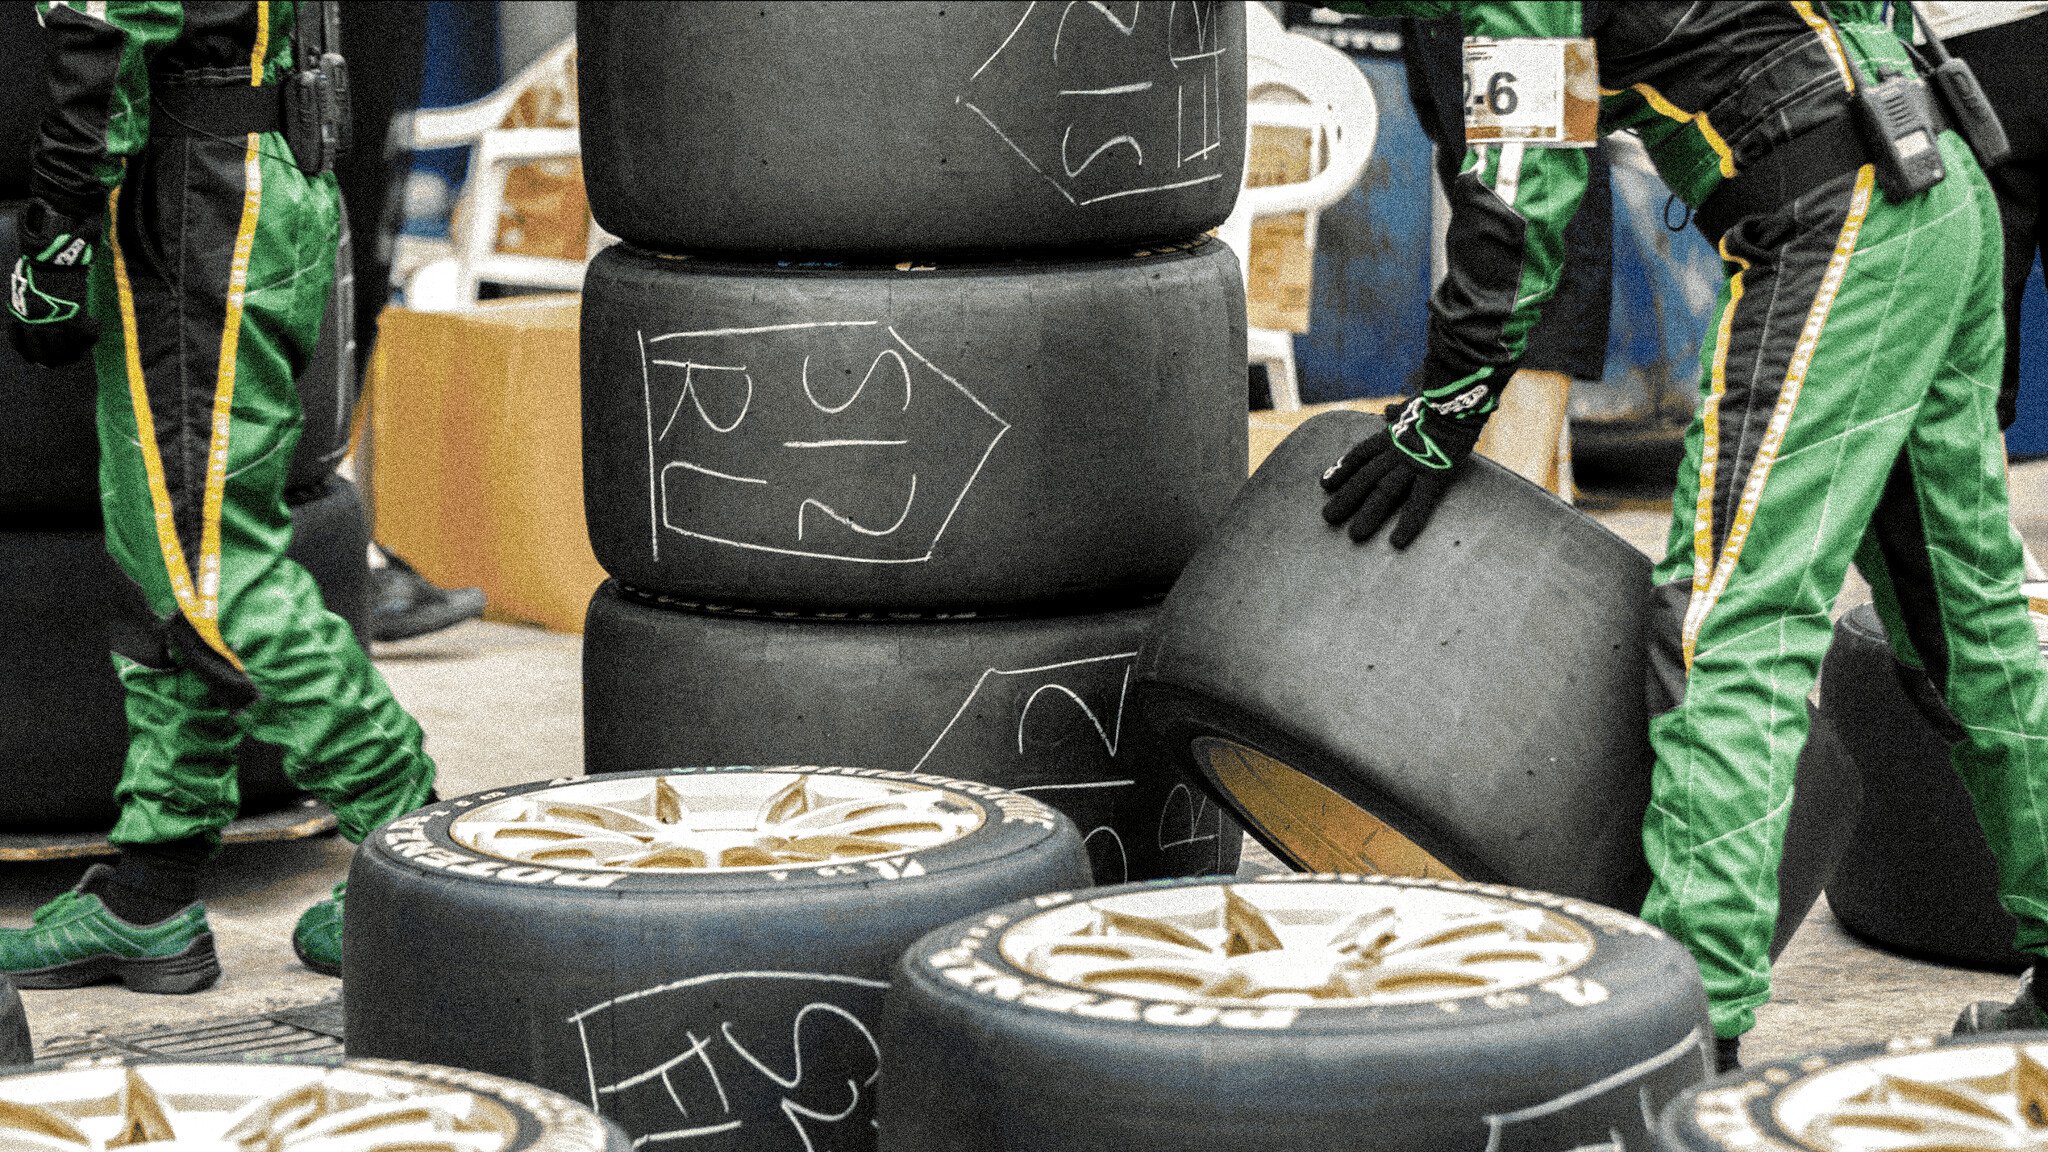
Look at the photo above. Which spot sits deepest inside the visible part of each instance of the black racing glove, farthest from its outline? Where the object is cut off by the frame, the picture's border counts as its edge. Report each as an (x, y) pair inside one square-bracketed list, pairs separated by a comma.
[(1407, 466), (46, 291)]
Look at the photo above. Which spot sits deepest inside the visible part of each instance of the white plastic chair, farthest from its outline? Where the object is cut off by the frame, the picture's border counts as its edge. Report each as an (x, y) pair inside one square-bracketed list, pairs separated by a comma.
[(495, 151), (1326, 95)]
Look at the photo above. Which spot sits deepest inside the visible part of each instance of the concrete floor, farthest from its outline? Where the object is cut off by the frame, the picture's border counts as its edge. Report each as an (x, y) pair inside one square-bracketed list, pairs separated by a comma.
[(503, 704)]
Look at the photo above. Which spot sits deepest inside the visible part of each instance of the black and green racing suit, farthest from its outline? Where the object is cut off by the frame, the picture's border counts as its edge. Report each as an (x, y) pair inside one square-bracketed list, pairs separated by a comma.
[(215, 257), (1848, 412)]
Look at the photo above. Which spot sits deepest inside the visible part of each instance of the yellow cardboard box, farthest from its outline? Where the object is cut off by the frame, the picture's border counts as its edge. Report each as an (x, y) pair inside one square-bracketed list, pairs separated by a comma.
[(476, 459)]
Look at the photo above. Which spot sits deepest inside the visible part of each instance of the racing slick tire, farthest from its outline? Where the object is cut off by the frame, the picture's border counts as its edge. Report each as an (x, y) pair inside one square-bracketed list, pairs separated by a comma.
[(1952, 1092), (569, 934), (1486, 723), (1917, 876), (908, 129), (1293, 1011), (369, 1103), (1035, 705), (974, 437)]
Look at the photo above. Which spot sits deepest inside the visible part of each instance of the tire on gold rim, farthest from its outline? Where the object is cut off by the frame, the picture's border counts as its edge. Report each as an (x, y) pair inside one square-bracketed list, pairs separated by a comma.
[(694, 822), (1310, 946), (354, 1106), (1917, 1095), (698, 950), (1433, 1014)]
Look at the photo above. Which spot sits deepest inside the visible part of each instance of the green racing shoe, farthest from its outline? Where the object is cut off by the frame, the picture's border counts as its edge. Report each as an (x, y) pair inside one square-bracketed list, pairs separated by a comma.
[(317, 939), (74, 941)]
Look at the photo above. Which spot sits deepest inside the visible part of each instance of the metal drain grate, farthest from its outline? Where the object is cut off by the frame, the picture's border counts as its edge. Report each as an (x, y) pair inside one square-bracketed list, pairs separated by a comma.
[(311, 1030)]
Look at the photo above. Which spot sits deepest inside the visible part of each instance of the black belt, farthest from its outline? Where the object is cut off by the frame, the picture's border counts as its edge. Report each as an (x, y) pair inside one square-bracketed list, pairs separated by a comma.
[(221, 111), (1792, 169)]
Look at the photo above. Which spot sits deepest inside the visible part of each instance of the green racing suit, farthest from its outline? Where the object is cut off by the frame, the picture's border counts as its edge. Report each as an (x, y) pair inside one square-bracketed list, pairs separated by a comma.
[(1848, 412), (216, 254)]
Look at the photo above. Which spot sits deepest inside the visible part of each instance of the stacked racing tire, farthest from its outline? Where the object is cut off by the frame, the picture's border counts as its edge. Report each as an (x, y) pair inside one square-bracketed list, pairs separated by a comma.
[(66, 735), (356, 1104), (1296, 1011), (909, 394), (1953, 1093), (700, 953)]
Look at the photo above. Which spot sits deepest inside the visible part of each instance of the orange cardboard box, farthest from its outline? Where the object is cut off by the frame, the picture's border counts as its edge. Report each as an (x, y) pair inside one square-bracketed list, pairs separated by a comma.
[(476, 460)]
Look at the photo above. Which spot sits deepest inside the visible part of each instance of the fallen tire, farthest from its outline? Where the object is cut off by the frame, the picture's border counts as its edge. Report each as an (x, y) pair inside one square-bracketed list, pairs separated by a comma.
[(1293, 1012), (340, 1107), (1916, 876), (1034, 705), (907, 129), (1472, 707), (49, 441), (65, 735), (1951, 1093), (944, 439), (699, 951)]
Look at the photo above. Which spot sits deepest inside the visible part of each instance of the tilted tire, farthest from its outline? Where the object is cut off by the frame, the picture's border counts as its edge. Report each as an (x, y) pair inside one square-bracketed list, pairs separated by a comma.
[(49, 441), (1471, 707), (1036, 705), (1948, 1093), (577, 935), (1916, 876), (1292, 1012), (65, 735), (336, 1104), (906, 129), (972, 437)]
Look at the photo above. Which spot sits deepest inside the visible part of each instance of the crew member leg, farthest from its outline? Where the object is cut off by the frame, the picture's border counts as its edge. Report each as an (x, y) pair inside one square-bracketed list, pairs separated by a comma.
[(1829, 333), (198, 426)]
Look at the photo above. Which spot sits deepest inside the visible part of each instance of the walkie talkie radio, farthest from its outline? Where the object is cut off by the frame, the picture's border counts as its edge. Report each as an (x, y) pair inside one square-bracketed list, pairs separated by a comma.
[(1895, 116), (1963, 99)]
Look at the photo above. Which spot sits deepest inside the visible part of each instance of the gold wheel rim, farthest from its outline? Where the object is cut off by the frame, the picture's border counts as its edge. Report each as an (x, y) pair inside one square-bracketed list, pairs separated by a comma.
[(1320, 829), (717, 822), (1957, 1098), (245, 1108), (1305, 944)]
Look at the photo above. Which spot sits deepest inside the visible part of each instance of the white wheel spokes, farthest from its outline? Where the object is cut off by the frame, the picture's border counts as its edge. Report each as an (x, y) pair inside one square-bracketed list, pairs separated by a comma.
[(698, 822), (336, 1111), (1258, 944)]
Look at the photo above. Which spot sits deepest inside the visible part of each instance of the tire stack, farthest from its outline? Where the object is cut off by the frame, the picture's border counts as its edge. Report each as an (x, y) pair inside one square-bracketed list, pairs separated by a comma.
[(910, 391), (59, 589)]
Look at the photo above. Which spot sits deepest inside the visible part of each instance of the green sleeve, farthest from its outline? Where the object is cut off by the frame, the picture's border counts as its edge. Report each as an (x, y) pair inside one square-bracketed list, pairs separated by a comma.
[(1505, 251), (98, 71)]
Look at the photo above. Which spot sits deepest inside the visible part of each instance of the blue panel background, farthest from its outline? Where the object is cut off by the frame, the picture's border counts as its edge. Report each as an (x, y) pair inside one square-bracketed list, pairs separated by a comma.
[(2029, 434)]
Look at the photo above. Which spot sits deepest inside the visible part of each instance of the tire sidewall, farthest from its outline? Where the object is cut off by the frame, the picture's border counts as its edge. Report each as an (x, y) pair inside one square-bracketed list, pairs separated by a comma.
[(457, 959), (1034, 1051)]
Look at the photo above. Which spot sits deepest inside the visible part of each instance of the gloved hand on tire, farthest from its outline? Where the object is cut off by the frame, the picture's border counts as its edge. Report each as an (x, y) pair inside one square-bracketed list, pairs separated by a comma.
[(49, 324), (1406, 467)]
